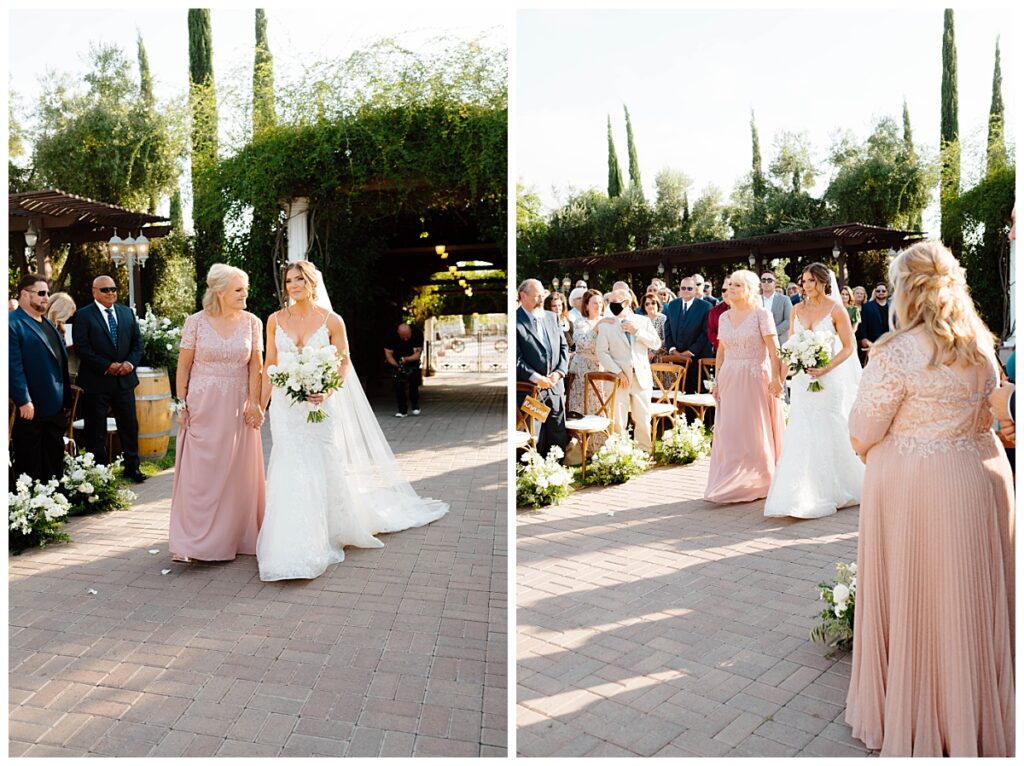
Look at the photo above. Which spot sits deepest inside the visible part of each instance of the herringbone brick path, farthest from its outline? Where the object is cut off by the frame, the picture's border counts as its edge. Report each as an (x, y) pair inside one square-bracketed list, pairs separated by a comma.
[(396, 651), (653, 623)]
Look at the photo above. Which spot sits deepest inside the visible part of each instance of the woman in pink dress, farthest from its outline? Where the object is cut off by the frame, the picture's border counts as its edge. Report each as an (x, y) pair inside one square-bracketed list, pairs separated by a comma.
[(219, 488), (933, 630), (748, 419)]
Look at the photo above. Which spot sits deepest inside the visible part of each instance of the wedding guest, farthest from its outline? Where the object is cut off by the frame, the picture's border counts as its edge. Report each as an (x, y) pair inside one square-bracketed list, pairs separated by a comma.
[(793, 291), (219, 488), (652, 310), (37, 368), (748, 418), (851, 306), (542, 358), (715, 316), (686, 329), (61, 309), (12, 305), (666, 296), (575, 304), (778, 305), (555, 303), (874, 317), (622, 348), (108, 342), (933, 660), (860, 296), (584, 361)]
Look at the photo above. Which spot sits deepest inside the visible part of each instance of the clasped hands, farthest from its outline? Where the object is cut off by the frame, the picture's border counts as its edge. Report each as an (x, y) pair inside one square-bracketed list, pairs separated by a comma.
[(253, 415), (548, 381), (119, 368)]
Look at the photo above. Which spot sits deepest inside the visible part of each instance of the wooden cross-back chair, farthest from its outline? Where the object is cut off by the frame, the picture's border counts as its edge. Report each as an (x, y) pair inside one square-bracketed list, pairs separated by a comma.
[(600, 421), (702, 401), (526, 426), (664, 399)]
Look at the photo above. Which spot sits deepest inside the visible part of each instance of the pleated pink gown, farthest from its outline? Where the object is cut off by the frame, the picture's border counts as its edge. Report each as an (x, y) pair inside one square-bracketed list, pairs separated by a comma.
[(748, 420), (219, 487), (933, 636)]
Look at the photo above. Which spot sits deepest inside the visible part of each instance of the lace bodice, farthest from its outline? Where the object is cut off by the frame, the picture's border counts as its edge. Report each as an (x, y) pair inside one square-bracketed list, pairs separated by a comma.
[(321, 337), (219, 361), (744, 342), (923, 409)]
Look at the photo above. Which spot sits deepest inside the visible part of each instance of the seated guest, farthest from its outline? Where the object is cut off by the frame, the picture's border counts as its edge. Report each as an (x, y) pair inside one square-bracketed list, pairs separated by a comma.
[(652, 310), (575, 304)]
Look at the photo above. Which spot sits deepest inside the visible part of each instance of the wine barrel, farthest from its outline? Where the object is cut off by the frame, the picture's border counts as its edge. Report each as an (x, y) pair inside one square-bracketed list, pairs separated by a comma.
[(152, 400)]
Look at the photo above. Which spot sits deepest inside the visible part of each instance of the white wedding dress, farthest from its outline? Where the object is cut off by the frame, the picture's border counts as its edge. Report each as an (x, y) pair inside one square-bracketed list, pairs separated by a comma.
[(818, 472), (330, 484)]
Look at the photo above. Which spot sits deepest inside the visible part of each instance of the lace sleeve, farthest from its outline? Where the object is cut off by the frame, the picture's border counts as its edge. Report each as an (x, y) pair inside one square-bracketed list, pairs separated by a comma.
[(188, 332), (256, 326), (766, 322), (883, 388)]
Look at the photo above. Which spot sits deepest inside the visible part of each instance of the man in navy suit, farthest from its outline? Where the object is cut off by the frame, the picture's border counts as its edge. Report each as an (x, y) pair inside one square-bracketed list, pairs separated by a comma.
[(542, 357), (107, 338), (874, 317), (40, 386), (686, 328)]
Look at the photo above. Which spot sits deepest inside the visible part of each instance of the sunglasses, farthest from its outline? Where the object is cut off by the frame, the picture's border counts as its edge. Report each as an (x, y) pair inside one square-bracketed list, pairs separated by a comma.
[(107, 289), (687, 289), (767, 279), (40, 293)]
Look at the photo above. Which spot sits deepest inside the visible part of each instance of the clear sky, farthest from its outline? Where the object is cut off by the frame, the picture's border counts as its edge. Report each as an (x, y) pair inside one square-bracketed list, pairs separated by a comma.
[(691, 78)]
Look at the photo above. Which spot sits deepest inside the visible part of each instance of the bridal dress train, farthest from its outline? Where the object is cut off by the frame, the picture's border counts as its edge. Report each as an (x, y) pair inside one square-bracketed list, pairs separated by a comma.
[(331, 484), (818, 471)]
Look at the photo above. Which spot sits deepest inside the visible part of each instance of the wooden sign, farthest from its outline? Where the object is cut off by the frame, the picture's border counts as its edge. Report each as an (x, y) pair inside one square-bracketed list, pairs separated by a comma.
[(535, 409)]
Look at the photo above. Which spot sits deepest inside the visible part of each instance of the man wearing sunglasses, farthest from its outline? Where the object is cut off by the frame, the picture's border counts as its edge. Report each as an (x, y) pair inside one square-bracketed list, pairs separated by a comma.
[(40, 386), (874, 317), (780, 306), (109, 344), (686, 329)]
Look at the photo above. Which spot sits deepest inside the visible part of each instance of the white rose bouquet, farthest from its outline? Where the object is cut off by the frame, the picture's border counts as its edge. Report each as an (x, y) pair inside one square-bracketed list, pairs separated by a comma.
[(808, 350), (542, 481), (836, 628), (35, 514), (306, 372)]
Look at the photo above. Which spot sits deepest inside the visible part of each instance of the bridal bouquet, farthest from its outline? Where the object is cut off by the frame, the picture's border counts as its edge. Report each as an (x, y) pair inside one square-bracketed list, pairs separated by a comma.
[(808, 350), (305, 372), (836, 628)]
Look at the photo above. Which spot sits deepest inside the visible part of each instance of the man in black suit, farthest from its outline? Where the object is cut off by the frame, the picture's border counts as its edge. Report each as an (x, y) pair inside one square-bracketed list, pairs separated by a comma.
[(37, 365), (874, 317), (542, 357), (686, 328), (107, 338)]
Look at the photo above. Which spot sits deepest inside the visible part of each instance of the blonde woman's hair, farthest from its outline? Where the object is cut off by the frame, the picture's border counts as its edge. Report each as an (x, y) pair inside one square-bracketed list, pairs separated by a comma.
[(750, 281), (308, 272), (929, 290), (61, 308), (217, 281)]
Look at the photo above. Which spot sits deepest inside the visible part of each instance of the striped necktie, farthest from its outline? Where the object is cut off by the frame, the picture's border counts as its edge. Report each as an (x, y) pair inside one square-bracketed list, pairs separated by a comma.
[(112, 324)]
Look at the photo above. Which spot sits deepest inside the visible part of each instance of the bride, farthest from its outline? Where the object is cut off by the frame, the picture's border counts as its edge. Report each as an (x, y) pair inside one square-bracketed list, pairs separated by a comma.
[(818, 472), (333, 483)]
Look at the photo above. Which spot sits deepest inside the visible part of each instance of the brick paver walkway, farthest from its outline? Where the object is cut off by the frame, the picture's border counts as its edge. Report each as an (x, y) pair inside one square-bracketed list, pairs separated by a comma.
[(653, 623), (396, 651)]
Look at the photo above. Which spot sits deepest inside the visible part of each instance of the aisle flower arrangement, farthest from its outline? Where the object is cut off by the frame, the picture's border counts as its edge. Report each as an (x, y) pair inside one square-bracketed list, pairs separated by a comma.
[(684, 443), (618, 460), (541, 482), (92, 487), (836, 628), (35, 514)]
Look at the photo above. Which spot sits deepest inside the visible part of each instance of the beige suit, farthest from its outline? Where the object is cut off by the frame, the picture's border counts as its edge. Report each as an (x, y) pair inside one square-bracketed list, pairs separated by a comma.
[(617, 354)]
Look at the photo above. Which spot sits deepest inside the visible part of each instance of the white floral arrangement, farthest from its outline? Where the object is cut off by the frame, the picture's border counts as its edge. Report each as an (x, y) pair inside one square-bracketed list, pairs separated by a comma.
[(836, 628), (542, 481), (808, 350), (684, 443), (618, 460), (93, 487), (35, 513), (161, 339), (305, 372)]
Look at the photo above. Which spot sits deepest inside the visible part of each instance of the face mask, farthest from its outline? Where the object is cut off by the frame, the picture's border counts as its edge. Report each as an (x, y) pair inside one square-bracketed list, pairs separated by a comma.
[(616, 308)]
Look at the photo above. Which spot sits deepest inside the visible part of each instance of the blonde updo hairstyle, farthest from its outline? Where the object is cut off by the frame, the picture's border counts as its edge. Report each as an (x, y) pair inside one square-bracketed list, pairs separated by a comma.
[(751, 285), (929, 290), (217, 281), (60, 309), (308, 272)]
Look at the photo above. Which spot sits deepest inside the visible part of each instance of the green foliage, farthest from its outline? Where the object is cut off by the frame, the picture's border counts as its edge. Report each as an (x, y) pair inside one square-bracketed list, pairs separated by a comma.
[(949, 138), (263, 115), (615, 184), (618, 460), (684, 443), (671, 208), (93, 487), (634, 163), (996, 159), (836, 627), (541, 482)]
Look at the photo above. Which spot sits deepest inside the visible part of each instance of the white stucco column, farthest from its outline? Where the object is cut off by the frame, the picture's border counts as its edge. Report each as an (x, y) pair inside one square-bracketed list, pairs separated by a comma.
[(298, 228)]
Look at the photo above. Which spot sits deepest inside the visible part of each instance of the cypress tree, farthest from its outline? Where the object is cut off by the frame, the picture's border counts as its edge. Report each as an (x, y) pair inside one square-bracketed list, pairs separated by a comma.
[(614, 172), (146, 94), (996, 159), (263, 115), (206, 209), (176, 213), (949, 136), (757, 183), (910, 155), (634, 164)]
